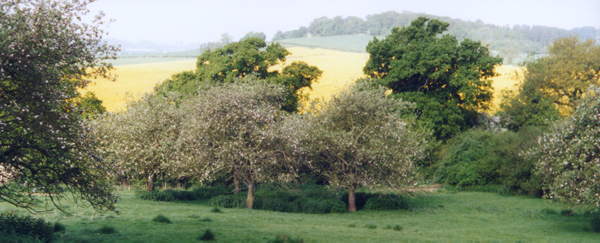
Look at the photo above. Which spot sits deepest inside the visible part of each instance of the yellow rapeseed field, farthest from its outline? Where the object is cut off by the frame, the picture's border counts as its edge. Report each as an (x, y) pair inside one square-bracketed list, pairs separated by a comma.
[(340, 70)]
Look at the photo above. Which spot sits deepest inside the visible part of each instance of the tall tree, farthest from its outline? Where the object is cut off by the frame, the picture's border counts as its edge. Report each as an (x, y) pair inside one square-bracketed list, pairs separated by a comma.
[(565, 74), (437, 72), (46, 54), (358, 139)]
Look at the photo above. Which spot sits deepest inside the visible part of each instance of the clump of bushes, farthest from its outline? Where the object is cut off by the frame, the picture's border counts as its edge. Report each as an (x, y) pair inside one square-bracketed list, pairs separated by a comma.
[(207, 236), (161, 219), (26, 227), (481, 157), (107, 230), (199, 193), (228, 201), (386, 202), (595, 221)]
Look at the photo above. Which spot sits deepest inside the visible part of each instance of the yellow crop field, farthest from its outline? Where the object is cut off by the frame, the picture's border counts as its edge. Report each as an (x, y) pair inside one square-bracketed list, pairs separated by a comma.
[(340, 70), (134, 80)]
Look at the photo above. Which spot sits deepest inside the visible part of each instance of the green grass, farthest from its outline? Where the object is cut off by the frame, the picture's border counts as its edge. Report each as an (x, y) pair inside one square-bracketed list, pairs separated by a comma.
[(444, 216), (353, 43)]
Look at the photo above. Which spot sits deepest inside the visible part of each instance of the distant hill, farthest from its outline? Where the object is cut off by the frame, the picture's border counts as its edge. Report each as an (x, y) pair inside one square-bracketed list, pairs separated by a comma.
[(514, 44)]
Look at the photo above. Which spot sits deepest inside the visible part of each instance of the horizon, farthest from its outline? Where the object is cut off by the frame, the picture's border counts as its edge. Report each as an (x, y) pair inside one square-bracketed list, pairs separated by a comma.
[(154, 20)]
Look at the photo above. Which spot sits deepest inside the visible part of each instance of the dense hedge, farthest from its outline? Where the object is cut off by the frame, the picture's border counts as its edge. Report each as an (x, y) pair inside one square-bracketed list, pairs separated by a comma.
[(17, 228), (199, 193)]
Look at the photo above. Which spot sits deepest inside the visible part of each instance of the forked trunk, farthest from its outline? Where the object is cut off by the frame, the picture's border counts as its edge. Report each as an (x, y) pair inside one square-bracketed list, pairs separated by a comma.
[(351, 200), (250, 197)]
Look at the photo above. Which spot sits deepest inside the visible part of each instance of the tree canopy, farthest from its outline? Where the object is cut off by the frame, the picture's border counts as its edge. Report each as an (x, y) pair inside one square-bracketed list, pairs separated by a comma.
[(568, 157), (447, 79), (250, 57), (46, 54), (358, 139)]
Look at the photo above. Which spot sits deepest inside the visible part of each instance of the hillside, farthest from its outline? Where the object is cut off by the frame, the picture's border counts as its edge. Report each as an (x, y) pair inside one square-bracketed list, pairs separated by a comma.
[(340, 69), (514, 43)]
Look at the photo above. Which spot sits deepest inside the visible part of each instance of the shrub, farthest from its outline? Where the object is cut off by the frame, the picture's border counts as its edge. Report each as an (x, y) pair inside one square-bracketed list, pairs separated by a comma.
[(286, 239), (386, 202), (371, 226), (206, 220), (549, 211), (58, 227), (595, 223), (207, 236), (397, 228), (229, 201), (161, 219), (216, 210), (567, 212), (16, 238), (207, 192), (315, 205), (11, 223), (106, 230)]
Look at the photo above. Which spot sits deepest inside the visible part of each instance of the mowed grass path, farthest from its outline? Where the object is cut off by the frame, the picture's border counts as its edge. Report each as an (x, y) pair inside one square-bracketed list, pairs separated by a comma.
[(340, 70), (439, 217)]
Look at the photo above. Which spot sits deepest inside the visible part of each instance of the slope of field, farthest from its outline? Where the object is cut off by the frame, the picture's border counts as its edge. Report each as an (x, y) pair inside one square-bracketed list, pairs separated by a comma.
[(340, 70), (353, 43), (133, 80), (434, 217)]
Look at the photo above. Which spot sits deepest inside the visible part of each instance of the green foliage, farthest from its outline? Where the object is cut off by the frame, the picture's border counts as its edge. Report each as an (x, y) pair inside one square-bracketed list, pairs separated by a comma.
[(199, 193), (89, 106), (107, 230), (481, 157), (16, 238), (216, 210), (161, 219), (371, 226), (286, 239), (34, 228), (565, 74), (568, 157), (207, 236), (59, 228), (250, 58), (448, 79), (47, 54), (527, 109), (386, 202)]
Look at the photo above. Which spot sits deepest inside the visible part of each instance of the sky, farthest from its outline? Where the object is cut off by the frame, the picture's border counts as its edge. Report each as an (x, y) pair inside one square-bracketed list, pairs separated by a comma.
[(198, 21)]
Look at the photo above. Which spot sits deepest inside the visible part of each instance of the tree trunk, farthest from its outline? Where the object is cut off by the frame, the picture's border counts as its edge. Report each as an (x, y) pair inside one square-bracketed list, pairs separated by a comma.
[(150, 183), (351, 200), (250, 197), (237, 188)]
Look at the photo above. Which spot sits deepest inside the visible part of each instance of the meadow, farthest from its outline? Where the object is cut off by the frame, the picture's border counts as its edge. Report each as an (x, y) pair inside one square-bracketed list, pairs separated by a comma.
[(445, 216), (136, 76)]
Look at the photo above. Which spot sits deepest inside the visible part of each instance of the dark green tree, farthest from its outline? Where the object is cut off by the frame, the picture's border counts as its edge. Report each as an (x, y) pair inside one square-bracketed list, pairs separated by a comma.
[(89, 106), (446, 78), (46, 54), (249, 58)]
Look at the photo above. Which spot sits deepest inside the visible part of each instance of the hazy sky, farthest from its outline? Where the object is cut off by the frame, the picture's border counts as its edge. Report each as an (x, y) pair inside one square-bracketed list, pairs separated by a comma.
[(193, 21)]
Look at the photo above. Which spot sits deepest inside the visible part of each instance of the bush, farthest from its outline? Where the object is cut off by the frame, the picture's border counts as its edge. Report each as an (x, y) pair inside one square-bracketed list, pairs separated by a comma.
[(16, 238), (360, 199), (161, 219), (216, 210), (13, 224), (595, 222), (106, 230), (481, 157), (59, 228), (207, 236), (286, 239), (315, 205), (386, 202), (229, 201), (371, 226), (207, 192), (198, 193)]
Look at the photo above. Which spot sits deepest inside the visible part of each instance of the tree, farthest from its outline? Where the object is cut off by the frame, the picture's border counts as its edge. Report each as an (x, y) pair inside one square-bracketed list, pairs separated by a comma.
[(565, 74), (46, 54), (140, 142), (231, 128), (250, 57), (358, 139), (437, 72), (568, 157)]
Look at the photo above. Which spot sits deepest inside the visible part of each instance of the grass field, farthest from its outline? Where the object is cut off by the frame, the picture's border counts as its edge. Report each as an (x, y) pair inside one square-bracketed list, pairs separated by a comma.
[(340, 68), (438, 217)]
